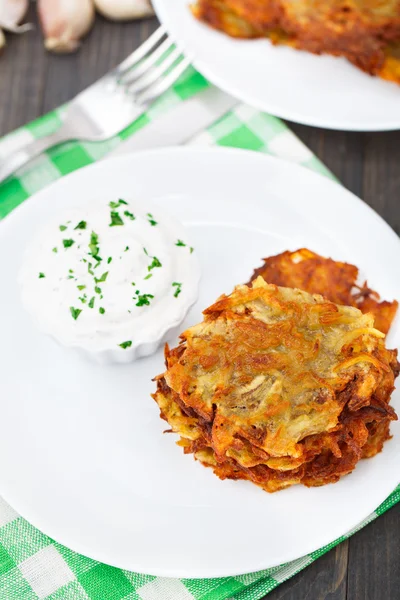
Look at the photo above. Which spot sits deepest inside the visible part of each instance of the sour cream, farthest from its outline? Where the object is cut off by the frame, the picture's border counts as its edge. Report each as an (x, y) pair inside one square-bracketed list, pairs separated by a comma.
[(111, 279)]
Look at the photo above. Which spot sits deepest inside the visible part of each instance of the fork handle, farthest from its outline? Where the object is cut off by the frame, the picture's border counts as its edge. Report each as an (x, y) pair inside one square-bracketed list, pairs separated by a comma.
[(20, 157)]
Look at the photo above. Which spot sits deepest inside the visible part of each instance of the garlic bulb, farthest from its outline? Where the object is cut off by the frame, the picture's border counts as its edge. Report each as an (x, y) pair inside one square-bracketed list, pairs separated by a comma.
[(11, 13), (124, 10), (65, 22), (2, 40)]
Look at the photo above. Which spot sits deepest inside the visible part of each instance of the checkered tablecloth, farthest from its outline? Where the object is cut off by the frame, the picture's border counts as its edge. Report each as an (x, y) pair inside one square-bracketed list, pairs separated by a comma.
[(33, 566)]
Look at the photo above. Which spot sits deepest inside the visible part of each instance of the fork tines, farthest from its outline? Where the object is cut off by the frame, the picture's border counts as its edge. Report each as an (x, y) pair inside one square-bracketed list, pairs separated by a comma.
[(152, 68)]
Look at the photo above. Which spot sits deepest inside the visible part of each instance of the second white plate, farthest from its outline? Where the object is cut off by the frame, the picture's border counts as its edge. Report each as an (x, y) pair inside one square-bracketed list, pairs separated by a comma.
[(315, 90), (83, 454)]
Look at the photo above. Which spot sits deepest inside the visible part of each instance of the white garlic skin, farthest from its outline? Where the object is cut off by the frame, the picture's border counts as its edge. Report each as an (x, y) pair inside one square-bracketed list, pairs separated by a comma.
[(124, 10), (11, 14), (65, 22), (13, 11)]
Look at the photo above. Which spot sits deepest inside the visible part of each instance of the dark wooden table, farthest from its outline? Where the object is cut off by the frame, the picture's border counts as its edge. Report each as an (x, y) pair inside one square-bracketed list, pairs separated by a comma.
[(32, 82)]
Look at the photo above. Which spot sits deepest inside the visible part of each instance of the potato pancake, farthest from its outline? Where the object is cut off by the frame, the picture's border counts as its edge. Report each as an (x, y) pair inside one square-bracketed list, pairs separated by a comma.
[(279, 386)]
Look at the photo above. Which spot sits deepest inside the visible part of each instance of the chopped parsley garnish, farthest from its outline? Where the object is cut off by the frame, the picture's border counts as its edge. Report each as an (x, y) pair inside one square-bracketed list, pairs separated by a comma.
[(90, 271), (178, 288), (42, 275), (75, 312), (129, 215), (68, 243), (154, 263), (83, 298), (117, 204), (102, 310), (94, 246), (70, 271), (109, 259), (144, 299), (81, 225), (145, 251), (115, 219), (91, 302), (81, 287), (182, 244), (125, 345), (102, 278), (151, 219), (97, 290), (55, 249), (63, 227), (148, 276)]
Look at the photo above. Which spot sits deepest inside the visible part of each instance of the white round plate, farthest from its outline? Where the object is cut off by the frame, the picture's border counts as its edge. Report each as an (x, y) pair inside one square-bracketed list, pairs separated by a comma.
[(315, 90), (83, 454)]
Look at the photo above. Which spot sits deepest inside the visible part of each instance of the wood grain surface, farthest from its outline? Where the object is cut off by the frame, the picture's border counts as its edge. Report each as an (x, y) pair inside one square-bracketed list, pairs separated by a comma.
[(32, 82)]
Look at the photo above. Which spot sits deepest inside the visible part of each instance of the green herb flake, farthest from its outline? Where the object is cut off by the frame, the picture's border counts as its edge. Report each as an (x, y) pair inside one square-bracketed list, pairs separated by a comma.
[(144, 299), (102, 310), (125, 345), (102, 278), (91, 302), (109, 259), (63, 227), (151, 220), (68, 243), (154, 263), (81, 287), (129, 215), (82, 299), (70, 271), (115, 219), (94, 246), (145, 251), (97, 290), (81, 225), (178, 288), (126, 249), (55, 250), (42, 275), (148, 276), (75, 312), (117, 204), (180, 243), (191, 249)]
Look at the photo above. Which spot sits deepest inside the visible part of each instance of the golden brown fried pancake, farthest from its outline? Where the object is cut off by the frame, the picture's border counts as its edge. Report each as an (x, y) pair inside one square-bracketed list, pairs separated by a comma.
[(366, 32), (279, 386), (336, 281)]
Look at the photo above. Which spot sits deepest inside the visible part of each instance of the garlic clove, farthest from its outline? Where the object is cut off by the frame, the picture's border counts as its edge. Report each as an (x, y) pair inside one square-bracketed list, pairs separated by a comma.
[(11, 13), (2, 41), (124, 10), (65, 22)]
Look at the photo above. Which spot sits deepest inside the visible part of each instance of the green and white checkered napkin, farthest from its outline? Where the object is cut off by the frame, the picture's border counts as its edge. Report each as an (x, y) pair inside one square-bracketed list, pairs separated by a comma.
[(33, 566)]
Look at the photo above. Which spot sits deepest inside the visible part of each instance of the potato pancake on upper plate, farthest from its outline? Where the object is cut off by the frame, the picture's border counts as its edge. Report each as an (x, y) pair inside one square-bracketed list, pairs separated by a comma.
[(336, 281), (366, 32), (279, 386)]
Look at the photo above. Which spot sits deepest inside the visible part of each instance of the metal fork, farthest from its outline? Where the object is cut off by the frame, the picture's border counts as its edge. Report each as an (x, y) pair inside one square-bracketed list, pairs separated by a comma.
[(112, 103)]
